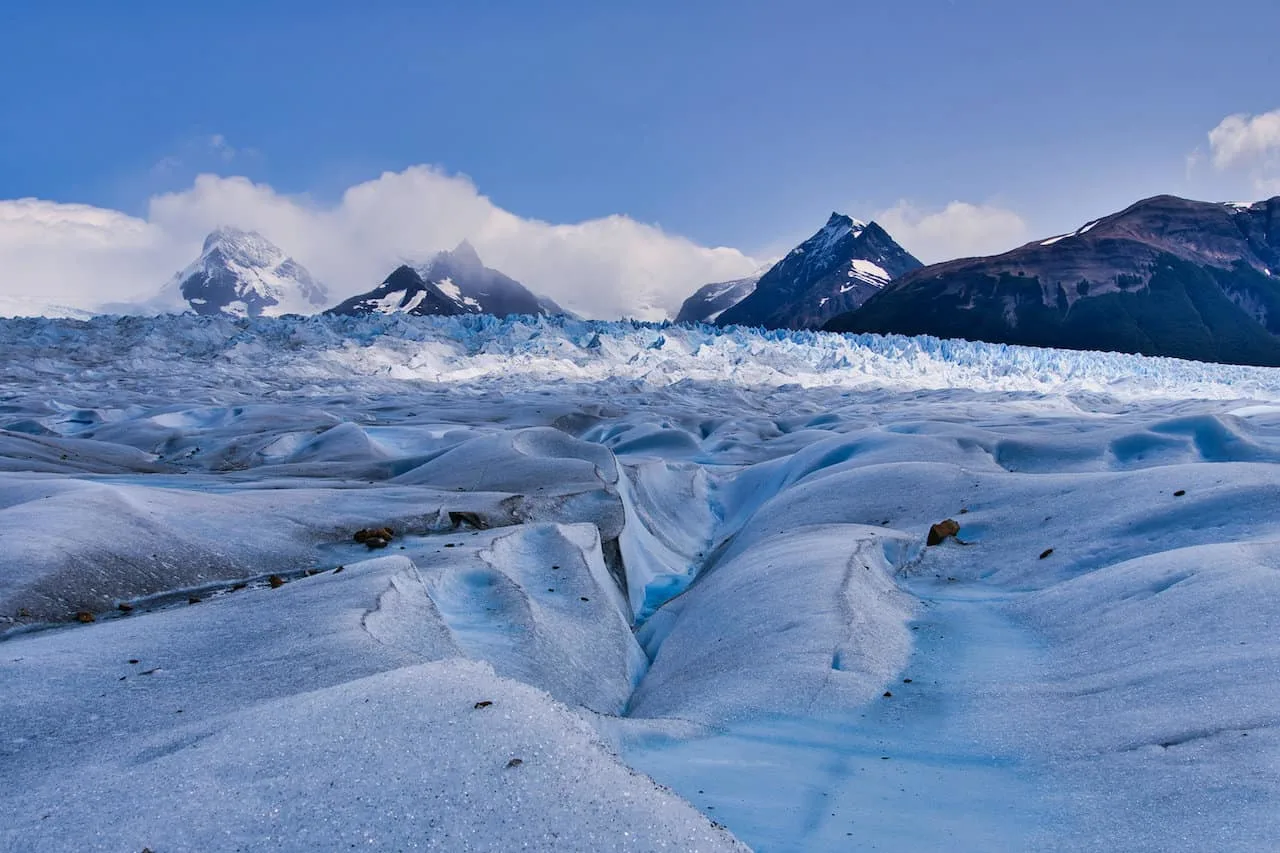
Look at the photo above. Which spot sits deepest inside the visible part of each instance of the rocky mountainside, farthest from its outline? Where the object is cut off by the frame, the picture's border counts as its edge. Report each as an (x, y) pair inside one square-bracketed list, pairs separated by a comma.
[(1166, 276), (835, 270), (243, 274), (711, 300), (455, 282), (405, 292)]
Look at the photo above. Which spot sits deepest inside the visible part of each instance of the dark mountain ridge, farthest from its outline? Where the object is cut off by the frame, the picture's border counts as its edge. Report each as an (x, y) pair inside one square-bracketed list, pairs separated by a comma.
[(455, 282), (1165, 276)]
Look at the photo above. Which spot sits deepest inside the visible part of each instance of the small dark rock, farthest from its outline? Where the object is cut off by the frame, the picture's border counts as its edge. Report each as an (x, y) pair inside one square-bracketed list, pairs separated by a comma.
[(484, 703), (133, 660), (194, 599), (340, 568), (888, 694), (1045, 553), (236, 587), (515, 762), (124, 607), (450, 545), (275, 581), (375, 542), (1179, 493), (906, 681), (85, 616), (368, 534), (583, 598), (467, 519), (942, 531)]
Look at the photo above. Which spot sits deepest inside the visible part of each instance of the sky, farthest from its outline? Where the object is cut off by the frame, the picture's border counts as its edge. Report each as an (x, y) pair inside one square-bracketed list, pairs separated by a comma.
[(614, 156)]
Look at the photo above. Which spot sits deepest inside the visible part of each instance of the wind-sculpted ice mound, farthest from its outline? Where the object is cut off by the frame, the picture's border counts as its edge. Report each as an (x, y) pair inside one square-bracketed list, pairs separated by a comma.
[(51, 454), (71, 546), (520, 462), (805, 620), (273, 718), (75, 545), (543, 608)]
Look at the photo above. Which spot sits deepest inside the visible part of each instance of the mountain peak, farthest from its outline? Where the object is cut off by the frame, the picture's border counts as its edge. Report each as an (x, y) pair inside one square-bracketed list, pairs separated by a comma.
[(452, 282), (835, 270), (844, 220), (242, 273), (229, 234), (465, 253)]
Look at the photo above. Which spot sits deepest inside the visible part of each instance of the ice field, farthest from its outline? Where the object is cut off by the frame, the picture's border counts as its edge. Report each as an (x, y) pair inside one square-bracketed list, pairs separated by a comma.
[(650, 588)]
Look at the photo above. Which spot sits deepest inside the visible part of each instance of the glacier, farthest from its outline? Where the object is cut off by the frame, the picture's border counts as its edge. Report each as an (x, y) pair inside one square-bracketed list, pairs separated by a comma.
[(650, 587)]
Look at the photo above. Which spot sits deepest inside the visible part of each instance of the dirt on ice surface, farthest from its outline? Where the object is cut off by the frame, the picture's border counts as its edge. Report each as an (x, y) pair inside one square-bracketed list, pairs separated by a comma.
[(643, 588)]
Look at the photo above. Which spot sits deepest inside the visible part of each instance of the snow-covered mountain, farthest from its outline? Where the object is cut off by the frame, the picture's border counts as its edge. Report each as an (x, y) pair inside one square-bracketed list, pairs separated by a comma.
[(451, 283), (711, 300), (243, 274), (834, 271), (1166, 276)]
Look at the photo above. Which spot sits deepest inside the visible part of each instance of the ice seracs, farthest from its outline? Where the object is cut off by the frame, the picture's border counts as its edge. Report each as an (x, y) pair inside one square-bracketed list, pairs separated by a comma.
[(243, 274)]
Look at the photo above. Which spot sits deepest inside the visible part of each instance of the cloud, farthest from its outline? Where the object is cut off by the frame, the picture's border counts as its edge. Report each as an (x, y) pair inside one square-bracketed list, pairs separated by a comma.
[(1252, 143), (88, 257), (219, 145), (1247, 140), (77, 255), (958, 230)]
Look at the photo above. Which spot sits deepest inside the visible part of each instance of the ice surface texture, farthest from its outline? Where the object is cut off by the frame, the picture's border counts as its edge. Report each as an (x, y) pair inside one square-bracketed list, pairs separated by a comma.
[(700, 550)]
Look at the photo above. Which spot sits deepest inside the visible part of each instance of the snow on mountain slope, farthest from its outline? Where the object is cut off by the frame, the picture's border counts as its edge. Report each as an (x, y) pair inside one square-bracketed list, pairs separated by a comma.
[(699, 551), (241, 273), (405, 291), (454, 282), (711, 300)]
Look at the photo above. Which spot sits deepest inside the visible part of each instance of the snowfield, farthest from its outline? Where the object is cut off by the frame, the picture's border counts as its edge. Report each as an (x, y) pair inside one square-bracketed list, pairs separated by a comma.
[(649, 588)]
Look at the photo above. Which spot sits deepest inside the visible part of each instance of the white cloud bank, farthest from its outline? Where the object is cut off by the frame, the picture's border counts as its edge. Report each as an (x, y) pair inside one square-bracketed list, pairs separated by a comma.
[(959, 230), (1252, 143), (85, 257)]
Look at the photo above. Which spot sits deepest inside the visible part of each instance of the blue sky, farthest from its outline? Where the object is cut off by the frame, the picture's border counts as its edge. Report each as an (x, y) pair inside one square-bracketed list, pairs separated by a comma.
[(731, 123)]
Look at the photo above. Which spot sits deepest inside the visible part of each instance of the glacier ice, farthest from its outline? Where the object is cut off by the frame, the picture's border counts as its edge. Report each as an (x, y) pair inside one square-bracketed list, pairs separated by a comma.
[(697, 552)]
